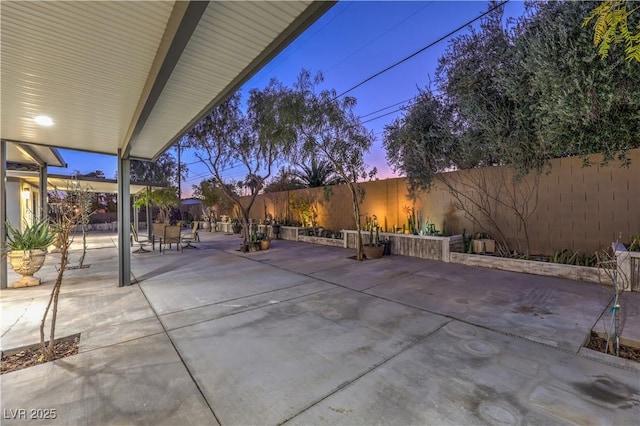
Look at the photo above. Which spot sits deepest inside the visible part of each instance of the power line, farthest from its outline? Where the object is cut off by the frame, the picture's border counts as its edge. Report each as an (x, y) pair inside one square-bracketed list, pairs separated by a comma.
[(387, 107), (281, 60), (417, 52), (383, 115), (380, 36)]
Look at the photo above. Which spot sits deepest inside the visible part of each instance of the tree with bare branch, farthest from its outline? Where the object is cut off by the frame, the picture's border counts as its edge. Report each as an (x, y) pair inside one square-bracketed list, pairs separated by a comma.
[(254, 141)]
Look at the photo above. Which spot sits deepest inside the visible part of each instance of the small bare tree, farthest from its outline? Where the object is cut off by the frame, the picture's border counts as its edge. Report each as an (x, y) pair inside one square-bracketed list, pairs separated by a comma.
[(254, 141), (72, 208), (496, 201)]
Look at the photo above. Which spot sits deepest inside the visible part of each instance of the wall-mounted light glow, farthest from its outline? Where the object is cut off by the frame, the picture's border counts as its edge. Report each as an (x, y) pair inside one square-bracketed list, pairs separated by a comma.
[(26, 194), (43, 120)]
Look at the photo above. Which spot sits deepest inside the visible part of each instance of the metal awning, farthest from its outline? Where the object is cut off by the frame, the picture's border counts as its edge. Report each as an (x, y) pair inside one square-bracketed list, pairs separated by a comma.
[(132, 75)]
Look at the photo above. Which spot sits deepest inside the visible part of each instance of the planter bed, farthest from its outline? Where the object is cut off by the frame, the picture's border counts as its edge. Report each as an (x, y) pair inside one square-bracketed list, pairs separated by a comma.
[(289, 233), (333, 242), (572, 272), (421, 246)]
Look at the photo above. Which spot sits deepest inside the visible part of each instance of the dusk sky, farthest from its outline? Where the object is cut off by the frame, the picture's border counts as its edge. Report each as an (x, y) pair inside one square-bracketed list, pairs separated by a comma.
[(351, 42)]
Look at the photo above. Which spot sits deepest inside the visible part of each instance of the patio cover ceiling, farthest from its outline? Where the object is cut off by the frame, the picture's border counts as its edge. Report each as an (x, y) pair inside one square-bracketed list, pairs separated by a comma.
[(132, 75), (24, 153)]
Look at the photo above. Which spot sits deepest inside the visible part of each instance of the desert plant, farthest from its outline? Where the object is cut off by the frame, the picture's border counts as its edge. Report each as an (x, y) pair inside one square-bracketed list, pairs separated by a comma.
[(38, 236), (411, 219), (570, 257)]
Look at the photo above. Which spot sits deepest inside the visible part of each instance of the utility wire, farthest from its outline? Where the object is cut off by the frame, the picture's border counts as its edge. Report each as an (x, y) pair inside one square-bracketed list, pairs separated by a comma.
[(281, 60), (380, 36), (417, 52), (387, 107)]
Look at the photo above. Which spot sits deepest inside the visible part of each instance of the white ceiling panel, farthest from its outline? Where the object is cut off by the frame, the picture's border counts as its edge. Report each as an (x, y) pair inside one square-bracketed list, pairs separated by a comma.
[(90, 66)]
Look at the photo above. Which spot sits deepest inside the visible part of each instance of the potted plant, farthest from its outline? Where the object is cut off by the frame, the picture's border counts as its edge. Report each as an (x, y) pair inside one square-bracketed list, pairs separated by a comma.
[(27, 249), (373, 250), (265, 241)]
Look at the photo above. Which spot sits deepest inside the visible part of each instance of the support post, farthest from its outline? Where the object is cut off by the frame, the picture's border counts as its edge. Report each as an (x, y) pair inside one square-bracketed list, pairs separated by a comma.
[(44, 199), (3, 211), (136, 221), (148, 211), (124, 208)]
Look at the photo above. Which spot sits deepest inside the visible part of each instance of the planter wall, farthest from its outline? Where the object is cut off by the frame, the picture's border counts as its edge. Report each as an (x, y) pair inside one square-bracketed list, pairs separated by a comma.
[(572, 272), (224, 227), (286, 232), (333, 242), (289, 233), (421, 246), (110, 226)]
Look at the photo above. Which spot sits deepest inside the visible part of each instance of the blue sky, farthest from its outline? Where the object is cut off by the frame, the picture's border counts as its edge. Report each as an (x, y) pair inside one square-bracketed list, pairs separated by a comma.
[(351, 42)]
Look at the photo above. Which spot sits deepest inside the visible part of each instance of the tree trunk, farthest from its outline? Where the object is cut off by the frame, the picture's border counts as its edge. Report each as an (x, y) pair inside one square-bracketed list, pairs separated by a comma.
[(245, 231), (356, 216), (49, 353), (84, 244)]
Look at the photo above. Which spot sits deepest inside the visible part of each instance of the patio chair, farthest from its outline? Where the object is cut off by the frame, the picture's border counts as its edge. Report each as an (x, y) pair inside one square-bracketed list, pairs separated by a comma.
[(171, 235), (141, 241), (157, 232), (190, 236)]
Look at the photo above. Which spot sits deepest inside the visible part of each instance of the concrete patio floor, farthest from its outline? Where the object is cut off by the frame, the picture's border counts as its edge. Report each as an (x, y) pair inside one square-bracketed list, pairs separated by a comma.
[(300, 334)]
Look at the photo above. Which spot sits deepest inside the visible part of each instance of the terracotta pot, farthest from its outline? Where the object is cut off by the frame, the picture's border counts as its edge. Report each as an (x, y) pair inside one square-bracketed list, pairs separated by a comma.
[(373, 252), (265, 244), (27, 263)]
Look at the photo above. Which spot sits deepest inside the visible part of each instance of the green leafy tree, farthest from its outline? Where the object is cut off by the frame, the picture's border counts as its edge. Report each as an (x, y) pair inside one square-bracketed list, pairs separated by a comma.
[(479, 113), (330, 131), (210, 193), (616, 22), (570, 101), (164, 198), (163, 171), (255, 140), (420, 143)]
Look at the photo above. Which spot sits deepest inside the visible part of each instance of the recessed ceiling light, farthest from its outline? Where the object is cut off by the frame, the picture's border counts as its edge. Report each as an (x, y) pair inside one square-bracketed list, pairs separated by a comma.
[(43, 120)]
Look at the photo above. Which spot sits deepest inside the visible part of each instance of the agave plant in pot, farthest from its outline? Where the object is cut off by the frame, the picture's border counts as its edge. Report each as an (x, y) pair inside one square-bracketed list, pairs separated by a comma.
[(27, 250)]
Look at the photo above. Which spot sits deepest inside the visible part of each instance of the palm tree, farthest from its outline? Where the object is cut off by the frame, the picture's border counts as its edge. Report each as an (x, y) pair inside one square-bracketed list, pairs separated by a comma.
[(317, 174), (283, 181)]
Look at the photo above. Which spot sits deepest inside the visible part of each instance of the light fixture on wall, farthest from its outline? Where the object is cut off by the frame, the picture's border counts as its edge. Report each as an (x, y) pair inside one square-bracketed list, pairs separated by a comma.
[(26, 193)]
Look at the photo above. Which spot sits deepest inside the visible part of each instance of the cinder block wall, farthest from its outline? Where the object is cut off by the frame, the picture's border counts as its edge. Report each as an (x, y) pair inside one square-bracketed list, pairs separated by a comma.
[(579, 208)]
